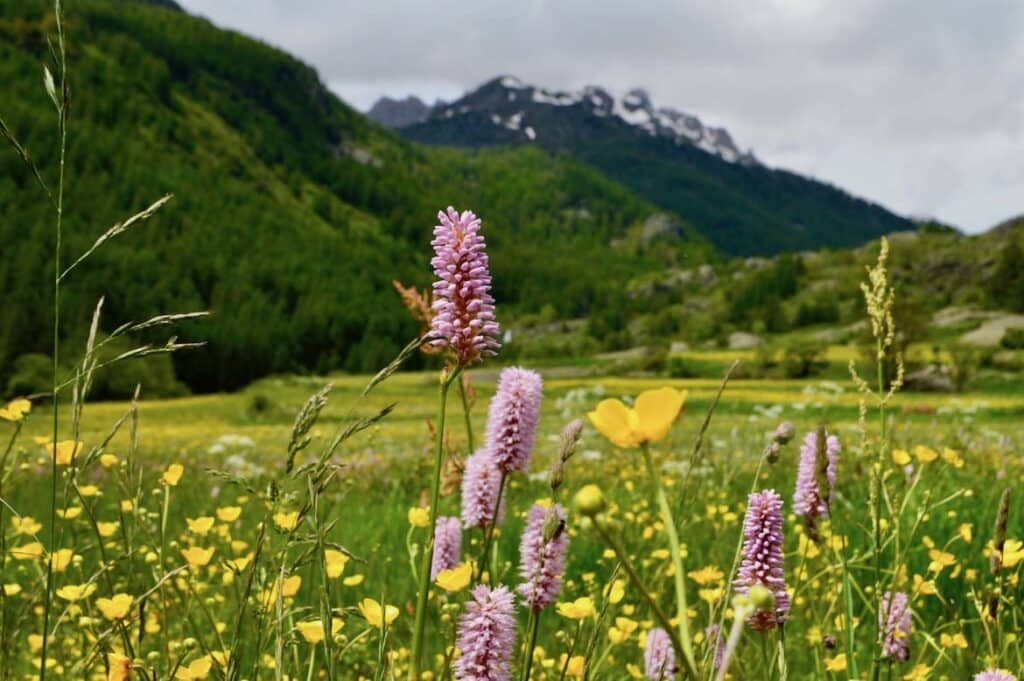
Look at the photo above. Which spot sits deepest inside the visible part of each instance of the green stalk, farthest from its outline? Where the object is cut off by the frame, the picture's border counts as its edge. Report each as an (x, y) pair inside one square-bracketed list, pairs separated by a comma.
[(572, 650), (62, 127), (534, 627), (877, 492), (485, 556), (677, 561), (428, 553), (466, 416), (634, 577)]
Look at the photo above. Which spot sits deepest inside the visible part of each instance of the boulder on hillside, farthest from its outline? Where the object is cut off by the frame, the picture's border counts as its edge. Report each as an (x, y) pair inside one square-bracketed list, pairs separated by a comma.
[(930, 379), (740, 340)]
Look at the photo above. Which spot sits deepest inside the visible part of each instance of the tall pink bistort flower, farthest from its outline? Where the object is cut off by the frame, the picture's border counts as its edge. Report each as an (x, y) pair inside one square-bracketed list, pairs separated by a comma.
[(994, 675), (894, 621), (659, 658), (447, 545), (481, 483), (542, 552), (512, 418), (487, 634), (762, 557), (463, 307), (814, 473)]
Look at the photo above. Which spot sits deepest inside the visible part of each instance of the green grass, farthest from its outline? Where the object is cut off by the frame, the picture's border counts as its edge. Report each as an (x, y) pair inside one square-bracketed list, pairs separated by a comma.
[(384, 473)]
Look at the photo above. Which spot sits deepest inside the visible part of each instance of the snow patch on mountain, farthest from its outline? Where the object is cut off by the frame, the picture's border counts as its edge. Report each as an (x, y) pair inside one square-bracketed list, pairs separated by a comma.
[(507, 101)]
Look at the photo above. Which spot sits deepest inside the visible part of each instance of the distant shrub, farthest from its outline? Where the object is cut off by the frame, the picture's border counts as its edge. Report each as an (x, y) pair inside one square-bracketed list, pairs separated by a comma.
[(821, 311), (155, 373), (655, 359), (677, 367), (803, 359), (1013, 338), (32, 374)]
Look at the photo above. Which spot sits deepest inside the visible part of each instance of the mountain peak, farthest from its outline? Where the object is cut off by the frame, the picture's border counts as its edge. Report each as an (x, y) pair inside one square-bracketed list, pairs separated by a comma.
[(523, 111), (398, 113)]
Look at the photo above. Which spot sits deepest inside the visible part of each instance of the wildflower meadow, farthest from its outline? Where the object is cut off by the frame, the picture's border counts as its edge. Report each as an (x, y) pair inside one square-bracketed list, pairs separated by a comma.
[(489, 522)]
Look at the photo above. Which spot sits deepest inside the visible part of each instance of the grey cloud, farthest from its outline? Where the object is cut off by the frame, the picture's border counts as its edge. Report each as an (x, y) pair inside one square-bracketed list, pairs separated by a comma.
[(918, 104)]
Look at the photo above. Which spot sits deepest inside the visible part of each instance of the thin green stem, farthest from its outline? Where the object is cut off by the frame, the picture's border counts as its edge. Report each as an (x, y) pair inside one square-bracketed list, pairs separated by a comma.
[(876, 481), (572, 650), (678, 576), (534, 628), (466, 416), (423, 591), (62, 129), (634, 577), (485, 556)]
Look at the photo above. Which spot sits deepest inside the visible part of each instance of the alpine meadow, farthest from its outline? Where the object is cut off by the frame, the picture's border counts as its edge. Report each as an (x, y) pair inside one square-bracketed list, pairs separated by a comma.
[(530, 383)]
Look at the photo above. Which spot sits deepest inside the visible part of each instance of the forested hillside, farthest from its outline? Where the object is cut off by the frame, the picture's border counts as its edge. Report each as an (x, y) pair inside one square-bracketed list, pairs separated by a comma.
[(291, 214)]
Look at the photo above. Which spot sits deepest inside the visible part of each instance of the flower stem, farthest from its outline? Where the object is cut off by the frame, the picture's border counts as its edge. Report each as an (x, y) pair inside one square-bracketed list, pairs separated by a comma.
[(677, 561), (466, 416), (534, 627), (62, 131), (485, 556), (428, 553), (634, 577)]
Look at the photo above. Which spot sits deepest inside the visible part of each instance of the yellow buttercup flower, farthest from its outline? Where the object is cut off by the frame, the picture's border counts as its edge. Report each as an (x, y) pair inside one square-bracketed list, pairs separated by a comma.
[(120, 667), (579, 609), (455, 579), (115, 608), (61, 558), (837, 663), (76, 592), (1013, 553), (707, 575), (336, 561), (194, 670), (229, 514), (199, 525), (648, 420), (15, 409), (289, 587), (376, 615), (69, 513), (616, 591), (107, 529), (65, 451), (313, 631), (108, 460), (575, 666), (25, 525), (172, 475), (900, 457), (419, 516), (954, 641), (353, 580), (197, 556), (925, 454), (287, 520), (29, 551), (953, 458)]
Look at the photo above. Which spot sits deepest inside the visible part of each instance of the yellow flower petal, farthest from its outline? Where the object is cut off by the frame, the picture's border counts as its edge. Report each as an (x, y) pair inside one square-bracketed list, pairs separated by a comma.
[(614, 420), (172, 475), (116, 607), (656, 411), (455, 579), (376, 616)]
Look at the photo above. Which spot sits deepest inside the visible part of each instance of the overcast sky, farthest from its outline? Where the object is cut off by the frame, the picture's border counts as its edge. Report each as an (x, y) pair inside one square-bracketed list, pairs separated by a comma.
[(916, 104)]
